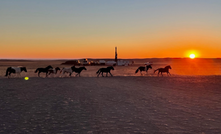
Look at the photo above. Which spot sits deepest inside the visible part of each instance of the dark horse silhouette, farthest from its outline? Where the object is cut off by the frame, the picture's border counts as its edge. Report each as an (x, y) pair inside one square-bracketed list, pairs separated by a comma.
[(53, 71), (14, 70), (77, 70), (141, 68), (162, 70), (106, 70), (44, 70)]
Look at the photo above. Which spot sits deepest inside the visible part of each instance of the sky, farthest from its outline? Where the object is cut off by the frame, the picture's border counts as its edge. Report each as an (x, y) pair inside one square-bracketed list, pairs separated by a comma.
[(71, 29)]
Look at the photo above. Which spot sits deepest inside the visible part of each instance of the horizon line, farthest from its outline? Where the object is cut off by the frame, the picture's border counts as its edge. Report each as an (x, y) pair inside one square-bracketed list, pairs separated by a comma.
[(103, 58)]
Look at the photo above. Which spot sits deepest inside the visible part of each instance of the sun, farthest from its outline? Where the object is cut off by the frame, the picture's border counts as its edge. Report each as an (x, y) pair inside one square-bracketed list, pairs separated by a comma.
[(192, 56)]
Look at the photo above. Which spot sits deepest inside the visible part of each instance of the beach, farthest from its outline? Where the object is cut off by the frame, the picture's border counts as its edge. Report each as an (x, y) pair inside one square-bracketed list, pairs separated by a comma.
[(111, 105), (187, 102)]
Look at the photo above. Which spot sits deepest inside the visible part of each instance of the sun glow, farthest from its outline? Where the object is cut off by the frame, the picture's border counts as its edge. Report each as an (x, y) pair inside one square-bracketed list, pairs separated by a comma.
[(192, 56)]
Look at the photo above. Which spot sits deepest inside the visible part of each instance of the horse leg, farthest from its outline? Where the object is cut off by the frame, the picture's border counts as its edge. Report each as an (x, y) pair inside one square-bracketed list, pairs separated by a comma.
[(54, 74), (162, 73), (106, 74), (102, 74), (9, 74), (98, 74), (168, 73), (111, 74), (62, 75), (39, 74)]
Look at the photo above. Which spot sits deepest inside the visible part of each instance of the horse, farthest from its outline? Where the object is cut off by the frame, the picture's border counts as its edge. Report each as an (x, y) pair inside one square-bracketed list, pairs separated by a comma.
[(141, 68), (78, 70), (14, 70), (53, 71), (67, 70), (162, 70), (44, 70), (106, 70)]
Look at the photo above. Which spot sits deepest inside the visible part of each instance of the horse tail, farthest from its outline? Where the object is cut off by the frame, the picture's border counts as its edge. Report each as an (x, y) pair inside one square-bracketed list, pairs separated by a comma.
[(137, 70), (36, 70), (98, 71), (8, 69), (155, 70)]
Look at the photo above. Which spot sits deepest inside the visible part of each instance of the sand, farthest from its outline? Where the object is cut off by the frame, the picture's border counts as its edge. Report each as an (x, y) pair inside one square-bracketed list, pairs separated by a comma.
[(111, 105)]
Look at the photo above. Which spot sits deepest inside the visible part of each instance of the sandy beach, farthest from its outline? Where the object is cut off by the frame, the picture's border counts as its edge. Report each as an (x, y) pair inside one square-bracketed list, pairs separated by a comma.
[(111, 105)]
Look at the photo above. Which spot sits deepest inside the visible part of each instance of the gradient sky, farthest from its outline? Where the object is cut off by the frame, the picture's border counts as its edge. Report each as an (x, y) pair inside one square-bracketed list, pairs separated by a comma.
[(92, 29)]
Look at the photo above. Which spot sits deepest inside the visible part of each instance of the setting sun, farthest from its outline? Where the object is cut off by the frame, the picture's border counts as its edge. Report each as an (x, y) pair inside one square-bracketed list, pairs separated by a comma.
[(192, 56)]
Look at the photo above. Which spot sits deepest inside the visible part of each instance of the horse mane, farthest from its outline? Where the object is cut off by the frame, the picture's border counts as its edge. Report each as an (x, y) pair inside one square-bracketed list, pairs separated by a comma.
[(168, 66), (49, 67)]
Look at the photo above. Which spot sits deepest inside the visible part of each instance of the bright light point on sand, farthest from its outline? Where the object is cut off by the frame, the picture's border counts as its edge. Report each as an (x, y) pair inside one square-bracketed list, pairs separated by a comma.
[(26, 78), (192, 56)]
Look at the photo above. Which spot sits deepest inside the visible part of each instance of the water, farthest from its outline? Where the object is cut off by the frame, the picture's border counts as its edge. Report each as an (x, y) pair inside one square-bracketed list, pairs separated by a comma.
[(179, 67)]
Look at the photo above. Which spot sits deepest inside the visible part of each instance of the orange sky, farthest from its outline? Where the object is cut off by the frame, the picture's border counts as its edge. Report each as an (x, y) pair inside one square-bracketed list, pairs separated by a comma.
[(75, 30)]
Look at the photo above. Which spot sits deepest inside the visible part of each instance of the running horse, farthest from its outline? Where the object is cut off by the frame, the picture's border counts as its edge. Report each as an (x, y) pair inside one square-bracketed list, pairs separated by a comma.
[(142, 68), (106, 70), (53, 71), (77, 70), (67, 70), (15, 70), (163, 70), (44, 70)]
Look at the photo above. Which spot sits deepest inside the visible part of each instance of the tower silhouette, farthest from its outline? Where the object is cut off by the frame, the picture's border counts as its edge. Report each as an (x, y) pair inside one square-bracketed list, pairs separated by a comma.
[(116, 54)]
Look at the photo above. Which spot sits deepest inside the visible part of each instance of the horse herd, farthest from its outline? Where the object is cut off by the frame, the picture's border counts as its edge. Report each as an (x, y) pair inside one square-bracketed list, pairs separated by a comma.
[(69, 70)]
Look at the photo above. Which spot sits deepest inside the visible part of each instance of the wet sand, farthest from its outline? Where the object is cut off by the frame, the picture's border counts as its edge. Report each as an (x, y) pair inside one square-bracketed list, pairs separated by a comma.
[(111, 105)]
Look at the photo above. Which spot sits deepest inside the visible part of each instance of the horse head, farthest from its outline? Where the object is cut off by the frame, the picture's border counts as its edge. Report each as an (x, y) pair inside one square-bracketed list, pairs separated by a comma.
[(168, 67), (111, 67), (84, 68), (149, 66), (23, 69)]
